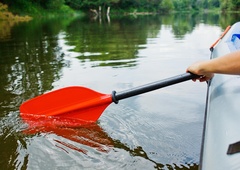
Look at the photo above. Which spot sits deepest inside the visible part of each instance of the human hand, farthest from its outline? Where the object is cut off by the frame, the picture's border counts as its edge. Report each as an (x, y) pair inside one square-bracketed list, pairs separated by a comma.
[(199, 69)]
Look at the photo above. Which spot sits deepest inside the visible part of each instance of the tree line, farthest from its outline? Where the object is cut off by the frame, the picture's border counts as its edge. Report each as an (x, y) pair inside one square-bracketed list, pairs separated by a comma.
[(157, 6)]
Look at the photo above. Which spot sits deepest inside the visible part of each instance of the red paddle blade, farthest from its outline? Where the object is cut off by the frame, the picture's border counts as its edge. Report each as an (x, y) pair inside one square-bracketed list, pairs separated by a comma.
[(78, 103)]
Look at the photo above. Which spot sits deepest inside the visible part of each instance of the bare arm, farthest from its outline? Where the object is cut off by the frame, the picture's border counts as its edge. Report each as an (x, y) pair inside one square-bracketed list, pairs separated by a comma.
[(227, 64)]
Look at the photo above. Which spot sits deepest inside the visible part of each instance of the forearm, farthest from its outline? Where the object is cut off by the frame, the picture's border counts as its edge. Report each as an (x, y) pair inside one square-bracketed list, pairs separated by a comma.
[(227, 64)]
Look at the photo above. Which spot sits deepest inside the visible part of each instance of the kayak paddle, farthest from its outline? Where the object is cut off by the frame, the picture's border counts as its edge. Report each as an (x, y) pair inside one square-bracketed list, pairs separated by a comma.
[(84, 104)]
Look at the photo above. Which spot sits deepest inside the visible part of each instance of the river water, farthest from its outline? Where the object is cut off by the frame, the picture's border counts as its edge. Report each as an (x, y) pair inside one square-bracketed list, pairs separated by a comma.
[(157, 130)]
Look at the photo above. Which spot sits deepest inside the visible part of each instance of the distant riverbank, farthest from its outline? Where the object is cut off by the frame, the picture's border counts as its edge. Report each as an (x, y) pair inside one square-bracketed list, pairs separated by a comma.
[(33, 11)]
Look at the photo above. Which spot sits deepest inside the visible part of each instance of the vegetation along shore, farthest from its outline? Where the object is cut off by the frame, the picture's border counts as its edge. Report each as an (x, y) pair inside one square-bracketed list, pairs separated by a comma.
[(23, 9)]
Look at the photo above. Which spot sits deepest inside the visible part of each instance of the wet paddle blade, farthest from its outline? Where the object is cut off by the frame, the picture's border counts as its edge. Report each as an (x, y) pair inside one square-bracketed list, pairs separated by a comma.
[(78, 103)]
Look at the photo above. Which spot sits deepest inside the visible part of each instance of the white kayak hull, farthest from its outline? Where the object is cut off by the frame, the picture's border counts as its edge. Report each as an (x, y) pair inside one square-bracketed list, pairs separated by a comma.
[(222, 119)]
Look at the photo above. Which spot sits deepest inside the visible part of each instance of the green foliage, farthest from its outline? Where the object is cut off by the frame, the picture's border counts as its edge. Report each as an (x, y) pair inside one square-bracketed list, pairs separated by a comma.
[(183, 5), (163, 6), (54, 4), (214, 3), (166, 5), (230, 5), (66, 9), (186, 5), (6, 15), (3, 7)]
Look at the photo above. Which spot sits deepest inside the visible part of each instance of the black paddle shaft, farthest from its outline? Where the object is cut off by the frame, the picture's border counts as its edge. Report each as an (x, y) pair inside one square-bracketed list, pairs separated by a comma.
[(152, 86)]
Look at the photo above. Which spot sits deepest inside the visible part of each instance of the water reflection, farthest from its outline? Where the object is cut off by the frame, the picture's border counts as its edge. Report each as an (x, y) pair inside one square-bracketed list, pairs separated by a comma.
[(109, 43), (93, 136), (103, 43), (30, 61), (5, 30)]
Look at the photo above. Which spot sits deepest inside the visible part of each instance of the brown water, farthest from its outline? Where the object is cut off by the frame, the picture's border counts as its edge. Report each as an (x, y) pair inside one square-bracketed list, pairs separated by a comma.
[(157, 130)]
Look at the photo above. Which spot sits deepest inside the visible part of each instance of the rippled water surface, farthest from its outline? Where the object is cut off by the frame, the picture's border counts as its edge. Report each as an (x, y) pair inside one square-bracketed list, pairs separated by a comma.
[(157, 130)]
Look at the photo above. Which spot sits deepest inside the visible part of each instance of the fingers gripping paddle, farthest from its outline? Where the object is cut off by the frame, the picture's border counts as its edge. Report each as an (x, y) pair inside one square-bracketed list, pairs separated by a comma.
[(83, 104)]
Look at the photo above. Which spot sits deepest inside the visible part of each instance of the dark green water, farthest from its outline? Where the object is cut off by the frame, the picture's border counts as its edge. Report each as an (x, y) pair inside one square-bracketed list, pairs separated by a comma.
[(158, 130)]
